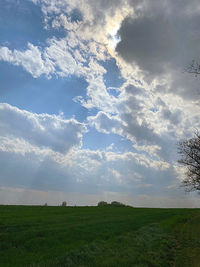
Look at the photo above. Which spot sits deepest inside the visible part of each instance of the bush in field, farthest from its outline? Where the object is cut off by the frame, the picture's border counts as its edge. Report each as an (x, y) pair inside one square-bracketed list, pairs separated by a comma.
[(64, 204), (117, 204), (102, 203)]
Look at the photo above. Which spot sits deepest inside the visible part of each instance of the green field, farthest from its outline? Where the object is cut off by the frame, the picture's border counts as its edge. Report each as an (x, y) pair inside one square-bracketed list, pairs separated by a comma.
[(99, 236)]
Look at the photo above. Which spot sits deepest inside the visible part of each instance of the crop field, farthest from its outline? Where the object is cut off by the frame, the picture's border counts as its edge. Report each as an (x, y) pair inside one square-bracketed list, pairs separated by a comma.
[(99, 236)]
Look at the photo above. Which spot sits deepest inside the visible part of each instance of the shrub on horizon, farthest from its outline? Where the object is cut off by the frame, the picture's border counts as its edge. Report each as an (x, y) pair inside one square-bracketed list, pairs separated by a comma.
[(64, 204), (102, 203), (117, 204)]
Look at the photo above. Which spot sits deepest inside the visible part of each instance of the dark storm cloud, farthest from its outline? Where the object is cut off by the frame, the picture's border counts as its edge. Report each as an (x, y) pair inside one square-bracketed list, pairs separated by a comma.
[(158, 42), (149, 42), (163, 38)]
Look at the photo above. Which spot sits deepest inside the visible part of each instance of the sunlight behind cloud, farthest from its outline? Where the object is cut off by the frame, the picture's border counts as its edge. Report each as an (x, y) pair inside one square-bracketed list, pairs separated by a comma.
[(112, 26)]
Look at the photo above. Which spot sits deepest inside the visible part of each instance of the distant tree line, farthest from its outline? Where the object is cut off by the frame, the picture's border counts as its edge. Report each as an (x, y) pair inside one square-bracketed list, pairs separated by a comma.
[(113, 203), (100, 204), (63, 204)]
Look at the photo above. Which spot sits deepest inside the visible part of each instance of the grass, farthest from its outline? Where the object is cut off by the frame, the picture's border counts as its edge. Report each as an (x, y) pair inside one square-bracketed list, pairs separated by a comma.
[(99, 236)]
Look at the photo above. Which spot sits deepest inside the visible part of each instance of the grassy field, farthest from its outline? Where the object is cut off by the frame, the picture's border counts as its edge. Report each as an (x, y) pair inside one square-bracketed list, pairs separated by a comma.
[(99, 236)]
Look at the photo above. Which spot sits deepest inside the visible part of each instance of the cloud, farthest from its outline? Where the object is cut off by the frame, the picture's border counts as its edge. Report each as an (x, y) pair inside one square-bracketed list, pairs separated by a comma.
[(92, 13), (161, 38), (105, 123), (31, 60), (31, 164), (79, 53), (131, 120), (60, 58), (42, 130), (96, 23), (174, 118), (83, 171), (125, 125), (153, 125), (58, 53), (151, 108), (56, 58)]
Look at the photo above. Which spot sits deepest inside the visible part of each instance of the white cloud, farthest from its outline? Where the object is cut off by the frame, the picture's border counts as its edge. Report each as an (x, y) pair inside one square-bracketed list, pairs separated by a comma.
[(56, 58), (105, 123), (137, 115), (152, 108), (64, 62), (43, 130), (31, 60), (59, 58), (83, 170)]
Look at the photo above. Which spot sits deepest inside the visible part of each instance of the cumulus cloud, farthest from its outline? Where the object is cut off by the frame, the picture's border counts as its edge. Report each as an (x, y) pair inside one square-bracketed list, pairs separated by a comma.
[(156, 40), (155, 46), (43, 130), (31, 60), (56, 58), (125, 125), (161, 38), (63, 59), (153, 125), (60, 58), (80, 170), (81, 52), (105, 123)]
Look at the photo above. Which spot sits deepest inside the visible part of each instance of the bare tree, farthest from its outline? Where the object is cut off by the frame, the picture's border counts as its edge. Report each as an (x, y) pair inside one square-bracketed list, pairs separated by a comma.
[(189, 151), (194, 68)]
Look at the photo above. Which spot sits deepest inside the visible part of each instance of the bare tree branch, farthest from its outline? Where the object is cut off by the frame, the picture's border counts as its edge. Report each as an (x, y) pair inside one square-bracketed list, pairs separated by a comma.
[(194, 68), (189, 151)]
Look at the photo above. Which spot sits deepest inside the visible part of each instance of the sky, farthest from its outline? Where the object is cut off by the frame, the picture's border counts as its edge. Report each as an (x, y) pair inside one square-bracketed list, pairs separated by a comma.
[(94, 98)]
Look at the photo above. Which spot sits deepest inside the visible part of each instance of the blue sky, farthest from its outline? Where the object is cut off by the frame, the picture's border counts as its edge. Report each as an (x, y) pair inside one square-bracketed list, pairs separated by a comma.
[(93, 101)]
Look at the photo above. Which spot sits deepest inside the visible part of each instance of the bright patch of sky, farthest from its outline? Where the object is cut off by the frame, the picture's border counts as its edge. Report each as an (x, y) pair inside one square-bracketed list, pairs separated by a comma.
[(22, 22), (93, 100)]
